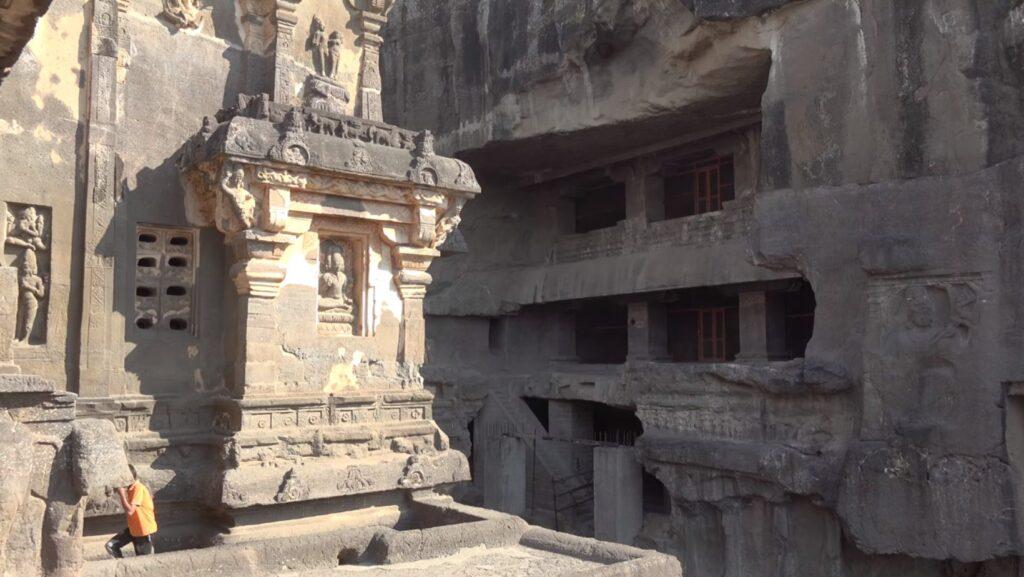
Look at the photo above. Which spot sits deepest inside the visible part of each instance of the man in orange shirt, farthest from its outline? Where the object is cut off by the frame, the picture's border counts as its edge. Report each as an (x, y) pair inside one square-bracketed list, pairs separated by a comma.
[(138, 506)]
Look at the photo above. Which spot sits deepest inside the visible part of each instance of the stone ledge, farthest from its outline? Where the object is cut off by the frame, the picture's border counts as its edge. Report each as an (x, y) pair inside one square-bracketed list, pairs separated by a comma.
[(24, 384)]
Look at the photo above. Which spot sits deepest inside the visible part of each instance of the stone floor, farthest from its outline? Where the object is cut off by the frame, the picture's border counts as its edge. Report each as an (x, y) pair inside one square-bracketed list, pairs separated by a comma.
[(473, 562)]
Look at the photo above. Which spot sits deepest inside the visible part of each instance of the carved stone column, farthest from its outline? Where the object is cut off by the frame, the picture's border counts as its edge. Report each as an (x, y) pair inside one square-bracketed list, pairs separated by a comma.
[(412, 280), (373, 14), (284, 80)]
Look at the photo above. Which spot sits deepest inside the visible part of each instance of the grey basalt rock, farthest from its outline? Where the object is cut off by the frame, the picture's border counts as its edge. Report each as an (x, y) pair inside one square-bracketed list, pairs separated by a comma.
[(927, 505), (16, 453), (732, 9), (100, 461)]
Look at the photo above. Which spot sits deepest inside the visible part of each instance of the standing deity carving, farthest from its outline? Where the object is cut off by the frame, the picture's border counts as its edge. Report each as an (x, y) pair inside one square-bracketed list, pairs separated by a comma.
[(26, 230), (325, 49), (336, 305), (240, 205), (32, 290)]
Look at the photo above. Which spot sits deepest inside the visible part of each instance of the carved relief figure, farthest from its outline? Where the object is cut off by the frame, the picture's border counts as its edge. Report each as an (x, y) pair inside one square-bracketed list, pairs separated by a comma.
[(182, 13), (240, 204), (336, 303), (333, 55), (326, 50), (32, 291), (935, 333), (27, 232), (326, 96)]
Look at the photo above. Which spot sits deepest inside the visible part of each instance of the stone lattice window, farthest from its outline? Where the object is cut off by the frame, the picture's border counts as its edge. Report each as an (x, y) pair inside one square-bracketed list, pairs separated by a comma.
[(164, 278)]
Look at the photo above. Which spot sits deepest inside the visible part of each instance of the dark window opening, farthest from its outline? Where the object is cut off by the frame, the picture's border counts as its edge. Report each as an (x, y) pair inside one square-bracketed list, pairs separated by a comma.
[(656, 498), (615, 425), (147, 262), (496, 335), (179, 241), (145, 291), (800, 305), (147, 238), (601, 206), (176, 291), (470, 426), (539, 408), (177, 261), (703, 327), (601, 333), (698, 185), (178, 324), (144, 323)]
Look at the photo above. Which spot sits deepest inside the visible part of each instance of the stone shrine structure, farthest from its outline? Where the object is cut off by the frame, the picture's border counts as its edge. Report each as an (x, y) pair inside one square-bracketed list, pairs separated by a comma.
[(219, 279)]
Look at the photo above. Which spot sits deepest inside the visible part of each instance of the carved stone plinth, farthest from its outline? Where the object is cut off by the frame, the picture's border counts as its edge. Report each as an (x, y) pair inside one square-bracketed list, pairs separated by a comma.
[(332, 222)]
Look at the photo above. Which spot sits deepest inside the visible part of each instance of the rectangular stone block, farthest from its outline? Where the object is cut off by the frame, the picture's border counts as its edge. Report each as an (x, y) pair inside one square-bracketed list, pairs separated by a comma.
[(618, 494)]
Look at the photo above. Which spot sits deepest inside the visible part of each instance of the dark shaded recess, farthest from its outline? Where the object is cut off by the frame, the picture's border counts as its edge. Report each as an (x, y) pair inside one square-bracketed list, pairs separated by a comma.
[(799, 309), (505, 159), (616, 425), (601, 205), (910, 80), (776, 160), (601, 332), (656, 497), (496, 334), (539, 408), (732, 9)]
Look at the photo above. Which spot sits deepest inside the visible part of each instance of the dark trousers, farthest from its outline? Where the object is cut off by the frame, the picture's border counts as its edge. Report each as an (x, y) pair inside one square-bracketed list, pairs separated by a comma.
[(143, 545)]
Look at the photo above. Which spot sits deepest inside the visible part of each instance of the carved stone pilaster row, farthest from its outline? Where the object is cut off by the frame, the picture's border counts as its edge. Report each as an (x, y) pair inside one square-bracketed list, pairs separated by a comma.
[(372, 14), (104, 228), (284, 64)]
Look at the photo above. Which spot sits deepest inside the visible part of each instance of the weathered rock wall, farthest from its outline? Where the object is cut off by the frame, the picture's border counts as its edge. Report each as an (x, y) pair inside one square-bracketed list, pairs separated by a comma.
[(888, 176)]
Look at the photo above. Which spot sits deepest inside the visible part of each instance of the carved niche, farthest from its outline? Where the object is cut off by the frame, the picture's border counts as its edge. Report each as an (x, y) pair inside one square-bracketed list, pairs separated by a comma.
[(325, 49), (26, 245), (322, 91), (920, 337), (338, 302)]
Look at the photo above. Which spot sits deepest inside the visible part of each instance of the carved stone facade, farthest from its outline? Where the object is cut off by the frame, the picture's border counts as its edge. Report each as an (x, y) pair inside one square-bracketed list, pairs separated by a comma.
[(332, 222)]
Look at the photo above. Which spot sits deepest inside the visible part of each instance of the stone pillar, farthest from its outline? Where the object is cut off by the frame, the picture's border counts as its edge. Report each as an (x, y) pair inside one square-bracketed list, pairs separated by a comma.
[(753, 331), (257, 274), (373, 14), (762, 326), (648, 332), (412, 280), (102, 328), (284, 83), (564, 335), (645, 197), (618, 494), (505, 475), (572, 421), (775, 324)]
